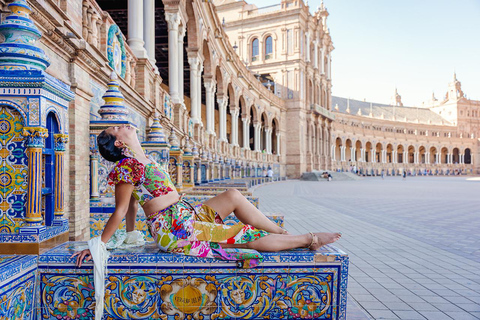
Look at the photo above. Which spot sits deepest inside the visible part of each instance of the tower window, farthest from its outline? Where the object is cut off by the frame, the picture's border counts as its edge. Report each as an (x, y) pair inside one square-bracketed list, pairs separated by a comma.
[(254, 49), (268, 48)]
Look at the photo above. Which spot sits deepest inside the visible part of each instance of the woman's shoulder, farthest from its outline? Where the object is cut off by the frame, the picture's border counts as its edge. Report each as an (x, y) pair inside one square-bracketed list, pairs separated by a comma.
[(127, 170)]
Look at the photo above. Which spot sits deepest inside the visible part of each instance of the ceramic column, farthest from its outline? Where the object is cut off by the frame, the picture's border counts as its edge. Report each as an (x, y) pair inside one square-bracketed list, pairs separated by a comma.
[(35, 142), (60, 143)]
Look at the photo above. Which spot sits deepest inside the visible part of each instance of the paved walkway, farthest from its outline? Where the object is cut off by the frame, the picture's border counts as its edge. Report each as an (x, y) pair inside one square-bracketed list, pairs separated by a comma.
[(414, 244)]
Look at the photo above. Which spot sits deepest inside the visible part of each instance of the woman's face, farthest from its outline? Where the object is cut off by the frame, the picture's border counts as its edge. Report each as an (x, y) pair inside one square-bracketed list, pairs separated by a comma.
[(124, 133)]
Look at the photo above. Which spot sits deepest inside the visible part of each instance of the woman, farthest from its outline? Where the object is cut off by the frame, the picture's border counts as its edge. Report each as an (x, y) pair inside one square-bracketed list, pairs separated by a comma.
[(174, 224)]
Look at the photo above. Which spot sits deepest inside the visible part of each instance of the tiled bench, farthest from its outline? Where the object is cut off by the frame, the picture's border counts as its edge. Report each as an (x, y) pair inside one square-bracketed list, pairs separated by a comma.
[(17, 286), (145, 284)]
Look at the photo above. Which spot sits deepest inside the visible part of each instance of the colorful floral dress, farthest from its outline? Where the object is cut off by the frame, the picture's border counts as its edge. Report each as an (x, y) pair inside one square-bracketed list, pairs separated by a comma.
[(181, 228)]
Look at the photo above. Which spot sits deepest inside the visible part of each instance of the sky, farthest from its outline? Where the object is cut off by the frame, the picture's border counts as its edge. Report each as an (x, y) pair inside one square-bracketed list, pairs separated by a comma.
[(412, 45)]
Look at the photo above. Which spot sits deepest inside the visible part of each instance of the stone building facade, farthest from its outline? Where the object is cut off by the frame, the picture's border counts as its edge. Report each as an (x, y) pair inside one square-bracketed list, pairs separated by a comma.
[(289, 49), (440, 137)]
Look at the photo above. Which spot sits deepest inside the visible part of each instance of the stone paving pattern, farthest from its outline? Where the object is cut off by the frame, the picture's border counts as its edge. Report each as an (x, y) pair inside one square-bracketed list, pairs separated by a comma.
[(414, 244)]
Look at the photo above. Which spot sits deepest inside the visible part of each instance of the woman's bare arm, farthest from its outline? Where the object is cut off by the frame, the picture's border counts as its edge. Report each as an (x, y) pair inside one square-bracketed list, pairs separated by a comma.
[(123, 194), (131, 214)]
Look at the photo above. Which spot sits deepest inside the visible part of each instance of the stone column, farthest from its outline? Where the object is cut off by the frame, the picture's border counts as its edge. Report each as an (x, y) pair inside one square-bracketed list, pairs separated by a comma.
[(234, 113), (209, 100), (35, 142), (149, 28), (427, 158), (181, 53), (135, 28), (199, 92), (329, 66), (307, 47), (194, 79), (173, 21), (268, 132), (322, 57), (94, 193), (462, 159), (315, 48), (278, 142), (342, 152), (60, 142), (362, 155), (246, 132), (333, 152), (222, 108), (257, 127)]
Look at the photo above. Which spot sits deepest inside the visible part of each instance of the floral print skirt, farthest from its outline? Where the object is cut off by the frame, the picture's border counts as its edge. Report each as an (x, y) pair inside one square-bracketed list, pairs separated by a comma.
[(200, 231)]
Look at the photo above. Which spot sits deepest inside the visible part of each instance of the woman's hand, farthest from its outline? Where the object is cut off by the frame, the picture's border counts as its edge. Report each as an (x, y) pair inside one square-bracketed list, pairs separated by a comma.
[(84, 254)]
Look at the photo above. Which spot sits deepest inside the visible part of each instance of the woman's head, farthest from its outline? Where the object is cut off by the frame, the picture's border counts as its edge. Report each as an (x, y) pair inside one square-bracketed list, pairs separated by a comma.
[(113, 140)]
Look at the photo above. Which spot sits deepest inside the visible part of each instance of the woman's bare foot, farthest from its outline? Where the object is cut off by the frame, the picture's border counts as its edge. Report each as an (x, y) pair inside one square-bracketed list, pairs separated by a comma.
[(320, 239)]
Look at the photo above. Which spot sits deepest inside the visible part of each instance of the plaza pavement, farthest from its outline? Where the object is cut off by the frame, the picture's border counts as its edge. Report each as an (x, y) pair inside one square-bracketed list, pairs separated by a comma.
[(414, 244)]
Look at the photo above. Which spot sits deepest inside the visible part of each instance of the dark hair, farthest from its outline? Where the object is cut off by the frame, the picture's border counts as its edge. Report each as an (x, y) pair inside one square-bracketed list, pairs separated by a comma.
[(107, 148)]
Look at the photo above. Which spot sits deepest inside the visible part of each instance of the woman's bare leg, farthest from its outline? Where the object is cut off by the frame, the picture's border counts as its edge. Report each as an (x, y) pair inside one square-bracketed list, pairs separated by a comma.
[(233, 201), (279, 242)]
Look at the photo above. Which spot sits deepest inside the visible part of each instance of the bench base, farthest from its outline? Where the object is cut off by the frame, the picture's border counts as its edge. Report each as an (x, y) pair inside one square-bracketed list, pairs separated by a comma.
[(145, 284)]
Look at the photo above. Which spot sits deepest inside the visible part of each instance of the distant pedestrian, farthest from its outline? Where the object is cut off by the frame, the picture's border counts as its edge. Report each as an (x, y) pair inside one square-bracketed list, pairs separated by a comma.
[(329, 177), (383, 174), (270, 174), (404, 174)]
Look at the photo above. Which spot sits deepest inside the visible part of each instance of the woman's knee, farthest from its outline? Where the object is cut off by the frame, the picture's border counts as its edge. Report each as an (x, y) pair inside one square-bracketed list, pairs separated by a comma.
[(233, 194)]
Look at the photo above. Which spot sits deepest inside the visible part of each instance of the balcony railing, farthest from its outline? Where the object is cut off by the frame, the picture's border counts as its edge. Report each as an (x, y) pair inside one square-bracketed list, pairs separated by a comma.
[(322, 111)]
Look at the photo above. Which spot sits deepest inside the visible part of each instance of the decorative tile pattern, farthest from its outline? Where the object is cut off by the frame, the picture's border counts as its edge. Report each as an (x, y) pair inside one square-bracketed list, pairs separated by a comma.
[(17, 286), (13, 171), (146, 284)]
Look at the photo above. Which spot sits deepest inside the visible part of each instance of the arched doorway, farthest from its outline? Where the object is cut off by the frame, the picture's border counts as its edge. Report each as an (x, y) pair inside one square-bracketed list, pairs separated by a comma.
[(422, 154), (348, 150), (338, 147), (48, 183), (411, 154), (433, 155), (468, 156), (400, 152), (378, 152), (389, 153), (456, 156), (444, 157)]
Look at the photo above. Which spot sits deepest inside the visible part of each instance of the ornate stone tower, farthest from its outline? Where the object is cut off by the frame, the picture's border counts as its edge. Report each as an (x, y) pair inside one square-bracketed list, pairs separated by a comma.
[(34, 133), (113, 113)]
